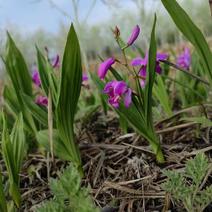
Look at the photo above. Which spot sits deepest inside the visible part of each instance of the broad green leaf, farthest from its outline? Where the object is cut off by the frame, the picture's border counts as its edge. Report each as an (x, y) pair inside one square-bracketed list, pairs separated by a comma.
[(20, 78), (192, 33), (70, 86), (17, 68), (11, 101)]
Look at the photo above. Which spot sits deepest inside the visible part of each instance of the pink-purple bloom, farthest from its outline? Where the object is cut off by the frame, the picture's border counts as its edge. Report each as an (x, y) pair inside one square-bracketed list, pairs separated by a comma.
[(84, 77), (184, 59), (55, 61), (42, 100), (134, 35), (142, 62), (116, 91), (104, 67), (36, 77)]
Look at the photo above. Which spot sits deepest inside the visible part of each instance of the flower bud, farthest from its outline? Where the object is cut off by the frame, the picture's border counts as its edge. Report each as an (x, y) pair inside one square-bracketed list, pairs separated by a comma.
[(134, 35)]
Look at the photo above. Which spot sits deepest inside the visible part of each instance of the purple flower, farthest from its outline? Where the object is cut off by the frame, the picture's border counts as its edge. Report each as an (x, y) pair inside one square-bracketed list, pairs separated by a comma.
[(117, 90), (84, 77), (104, 67), (85, 80), (42, 100), (142, 62), (134, 35), (55, 61), (184, 59), (36, 77), (142, 76)]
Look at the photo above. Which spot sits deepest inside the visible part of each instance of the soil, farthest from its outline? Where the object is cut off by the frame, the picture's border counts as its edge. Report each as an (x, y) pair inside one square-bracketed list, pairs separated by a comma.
[(120, 168)]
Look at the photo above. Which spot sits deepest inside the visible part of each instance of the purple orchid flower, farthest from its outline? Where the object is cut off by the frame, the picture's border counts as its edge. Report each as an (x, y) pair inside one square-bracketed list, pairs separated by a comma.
[(55, 61), (84, 77), (134, 35), (184, 59), (36, 77), (42, 100), (104, 67), (142, 62), (117, 90), (85, 80)]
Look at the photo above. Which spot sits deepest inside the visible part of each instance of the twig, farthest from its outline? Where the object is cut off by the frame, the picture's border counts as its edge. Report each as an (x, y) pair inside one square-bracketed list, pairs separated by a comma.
[(176, 127)]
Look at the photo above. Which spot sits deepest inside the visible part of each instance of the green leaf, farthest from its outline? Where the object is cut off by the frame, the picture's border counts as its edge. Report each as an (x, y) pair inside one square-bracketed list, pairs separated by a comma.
[(43, 71), (21, 79), (70, 86), (69, 194), (38, 112), (197, 168), (13, 150), (48, 79), (192, 33), (161, 94), (11, 101), (59, 149), (200, 120), (150, 77), (17, 68)]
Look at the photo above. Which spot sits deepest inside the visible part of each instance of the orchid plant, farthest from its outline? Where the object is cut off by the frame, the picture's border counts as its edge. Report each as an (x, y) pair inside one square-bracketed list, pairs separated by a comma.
[(132, 99)]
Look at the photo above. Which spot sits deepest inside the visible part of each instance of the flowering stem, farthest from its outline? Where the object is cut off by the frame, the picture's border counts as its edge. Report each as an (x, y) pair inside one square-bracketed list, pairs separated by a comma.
[(50, 125)]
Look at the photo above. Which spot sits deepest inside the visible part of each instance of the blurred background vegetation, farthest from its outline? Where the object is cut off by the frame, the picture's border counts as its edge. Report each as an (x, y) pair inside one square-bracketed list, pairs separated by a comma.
[(95, 36)]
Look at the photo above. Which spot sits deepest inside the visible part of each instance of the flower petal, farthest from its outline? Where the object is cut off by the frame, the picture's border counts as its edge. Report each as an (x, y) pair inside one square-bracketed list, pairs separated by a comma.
[(184, 59), (161, 56), (128, 98), (36, 77), (104, 67), (84, 77), (120, 87), (42, 100), (158, 69), (56, 62)]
